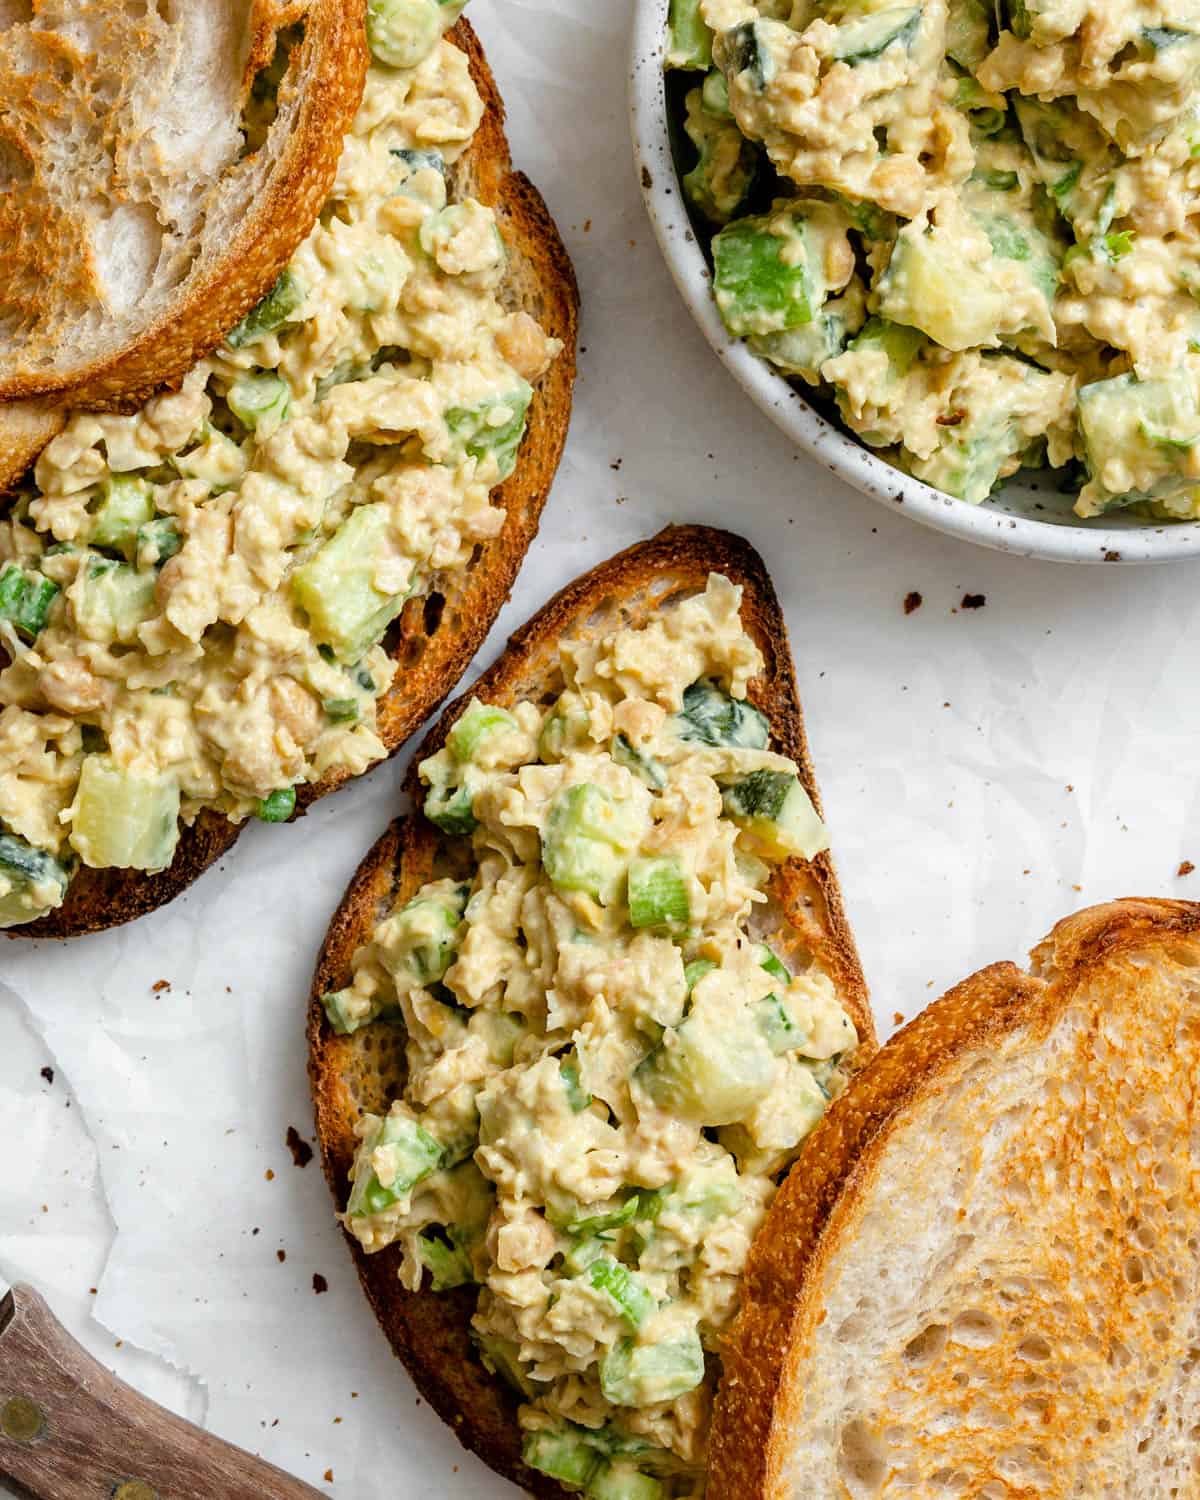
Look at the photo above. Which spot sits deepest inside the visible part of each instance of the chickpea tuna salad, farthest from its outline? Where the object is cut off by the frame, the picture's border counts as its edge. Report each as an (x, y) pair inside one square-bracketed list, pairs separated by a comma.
[(607, 1071), (193, 597), (972, 225)]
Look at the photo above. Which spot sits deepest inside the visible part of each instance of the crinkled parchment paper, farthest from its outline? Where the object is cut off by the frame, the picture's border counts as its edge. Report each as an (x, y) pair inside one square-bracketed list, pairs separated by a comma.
[(985, 770)]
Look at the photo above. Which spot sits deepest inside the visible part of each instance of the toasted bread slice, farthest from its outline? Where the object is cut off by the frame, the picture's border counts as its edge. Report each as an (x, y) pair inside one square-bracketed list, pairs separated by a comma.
[(25, 429), (144, 214), (363, 1072), (438, 633), (984, 1281)]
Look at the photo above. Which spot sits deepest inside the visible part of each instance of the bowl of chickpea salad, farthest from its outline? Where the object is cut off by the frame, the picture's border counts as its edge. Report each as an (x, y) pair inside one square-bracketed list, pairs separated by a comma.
[(949, 248)]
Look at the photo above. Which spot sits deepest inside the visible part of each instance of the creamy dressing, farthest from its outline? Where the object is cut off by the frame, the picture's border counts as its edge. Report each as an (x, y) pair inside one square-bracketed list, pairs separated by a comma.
[(1019, 185), (227, 558), (609, 1084)]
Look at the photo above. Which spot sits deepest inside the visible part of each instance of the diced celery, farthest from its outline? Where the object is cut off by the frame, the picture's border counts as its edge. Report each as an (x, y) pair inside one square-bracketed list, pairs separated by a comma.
[(502, 1357), (123, 820), (337, 589), (644, 1374), (114, 601), (478, 722), (402, 33), (771, 961), (343, 1007), (414, 1153), (260, 400), (491, 428), (711, 717), (126, 505), (774, 808), (278, 807), (629, 1294), (275, 309), (447, 1259), (689, 41), (31, 881), (577, 1096), (611, 1218), (25, 599), (583, 1251), (560, 1454), (658, 893)]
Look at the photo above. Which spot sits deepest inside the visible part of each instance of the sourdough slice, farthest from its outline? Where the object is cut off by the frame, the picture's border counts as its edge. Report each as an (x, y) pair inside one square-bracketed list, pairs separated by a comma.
[(438, 633), (139, 218), (363, 1072), (985, 1281), (25, 429)]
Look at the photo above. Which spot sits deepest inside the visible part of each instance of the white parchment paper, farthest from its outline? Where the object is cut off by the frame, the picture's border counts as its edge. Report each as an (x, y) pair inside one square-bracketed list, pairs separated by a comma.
[(985, 770)]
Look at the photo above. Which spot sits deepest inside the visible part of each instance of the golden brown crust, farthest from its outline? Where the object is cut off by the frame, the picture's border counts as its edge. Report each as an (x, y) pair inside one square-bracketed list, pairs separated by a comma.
[(330, 67), (25, 429), (815, 1210), (430, 1332), (438, 634)]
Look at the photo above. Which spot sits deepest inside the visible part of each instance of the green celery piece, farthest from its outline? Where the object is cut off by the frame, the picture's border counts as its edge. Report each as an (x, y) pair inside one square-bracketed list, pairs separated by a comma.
[(478, 722), (658, 893), (630, 1296), (561, 1455), (493, 426), (689, 41), (420, 1155), (340, 710), (449, 808), (760, 283), (278, 807), (613, 1218)]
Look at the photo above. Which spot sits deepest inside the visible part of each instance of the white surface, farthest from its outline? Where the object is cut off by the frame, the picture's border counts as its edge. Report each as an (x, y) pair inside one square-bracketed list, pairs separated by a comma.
[(1031, 520), (985, 772)]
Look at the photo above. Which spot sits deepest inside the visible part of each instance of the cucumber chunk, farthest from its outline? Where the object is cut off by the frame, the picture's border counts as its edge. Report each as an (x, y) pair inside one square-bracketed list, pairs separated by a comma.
[(777, 1025), (658, 893), (708, 1071), (114, 601), (774, 808), (491, 429), (726, 166), (587, 841), (745, 52), (622, 1480), (276, 308), (865, 39), (561, 1455), (31, 881), (929, 286), (402, 33), (336, 588), (260, 400), (968, 33), (123, 820), (477, 723), (1139, 439), (127, 504), (711, 717), (157, 541), (25, 599), (502, 1357), (650, 770), (422, 937), (414, 1154), (644, 1374), (449, 808), (766, 273)]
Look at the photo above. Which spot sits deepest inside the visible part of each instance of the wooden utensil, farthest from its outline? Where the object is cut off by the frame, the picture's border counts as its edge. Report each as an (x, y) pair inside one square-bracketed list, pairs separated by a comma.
[(70, 1430)]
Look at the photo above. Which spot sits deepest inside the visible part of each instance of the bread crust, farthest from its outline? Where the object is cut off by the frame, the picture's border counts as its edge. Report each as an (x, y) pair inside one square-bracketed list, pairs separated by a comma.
[(432, 644), (818, 1209), (25, 429), (430, 1332), (329, 69)]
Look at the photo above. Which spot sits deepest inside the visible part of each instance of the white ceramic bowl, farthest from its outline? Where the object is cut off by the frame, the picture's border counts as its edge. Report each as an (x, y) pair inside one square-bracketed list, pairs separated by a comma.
[(1022, 519)]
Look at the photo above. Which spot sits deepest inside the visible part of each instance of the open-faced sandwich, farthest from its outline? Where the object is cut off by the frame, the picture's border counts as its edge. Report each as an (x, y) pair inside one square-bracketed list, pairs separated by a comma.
[(226, 602), (983, 1280), (578, 1014)]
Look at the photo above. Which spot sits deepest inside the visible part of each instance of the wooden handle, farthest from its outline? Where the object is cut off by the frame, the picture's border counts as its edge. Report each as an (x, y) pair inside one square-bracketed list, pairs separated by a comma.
[(69, 1430)]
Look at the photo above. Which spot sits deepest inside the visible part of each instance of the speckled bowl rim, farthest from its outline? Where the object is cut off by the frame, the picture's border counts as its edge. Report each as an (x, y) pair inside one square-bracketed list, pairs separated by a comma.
[(988, 525)]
